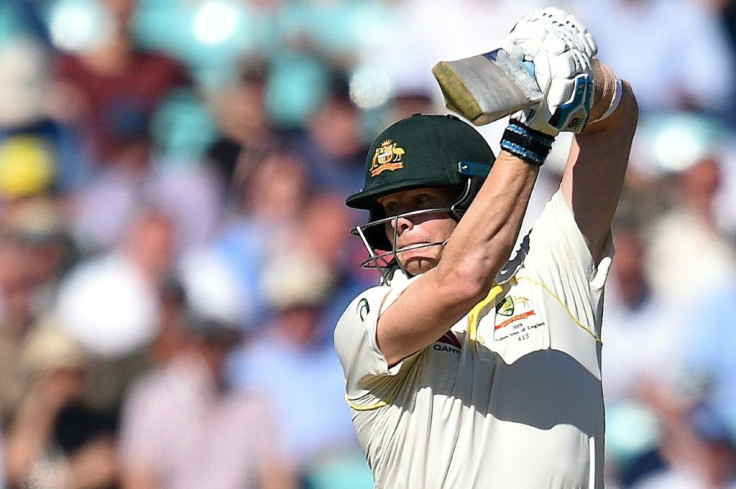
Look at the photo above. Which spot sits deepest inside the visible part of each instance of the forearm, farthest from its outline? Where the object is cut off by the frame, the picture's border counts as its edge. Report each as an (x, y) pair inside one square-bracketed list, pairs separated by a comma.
[(28, 435), (478, 248), (594, 176), (484, 238), (138, 478)]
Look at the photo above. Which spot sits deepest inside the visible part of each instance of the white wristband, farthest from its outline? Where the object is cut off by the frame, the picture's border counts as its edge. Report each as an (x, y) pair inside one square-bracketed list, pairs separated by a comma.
[(614, 101)]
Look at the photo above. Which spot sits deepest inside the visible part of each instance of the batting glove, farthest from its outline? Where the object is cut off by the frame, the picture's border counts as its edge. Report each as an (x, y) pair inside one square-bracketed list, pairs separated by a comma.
[(558, 51)]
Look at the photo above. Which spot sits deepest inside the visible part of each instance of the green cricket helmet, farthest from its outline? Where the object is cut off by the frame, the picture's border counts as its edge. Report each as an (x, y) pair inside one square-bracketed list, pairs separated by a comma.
[(416, 152)]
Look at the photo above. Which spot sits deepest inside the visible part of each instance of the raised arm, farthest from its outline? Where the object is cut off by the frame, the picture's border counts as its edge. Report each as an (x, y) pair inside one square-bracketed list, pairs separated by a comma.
[(561, 53), (478, 248), (594, 175)]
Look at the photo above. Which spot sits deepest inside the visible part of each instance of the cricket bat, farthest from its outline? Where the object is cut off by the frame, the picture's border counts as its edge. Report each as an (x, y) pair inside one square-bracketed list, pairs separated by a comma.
[(486, 87)]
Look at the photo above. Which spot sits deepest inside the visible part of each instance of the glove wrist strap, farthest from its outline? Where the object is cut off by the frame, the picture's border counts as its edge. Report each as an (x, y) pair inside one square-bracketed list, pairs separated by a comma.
[(615, 100), (526, 143)]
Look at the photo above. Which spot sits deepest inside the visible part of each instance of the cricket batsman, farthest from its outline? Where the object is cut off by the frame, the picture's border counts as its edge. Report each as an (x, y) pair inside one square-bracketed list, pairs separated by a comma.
[(474, 365)]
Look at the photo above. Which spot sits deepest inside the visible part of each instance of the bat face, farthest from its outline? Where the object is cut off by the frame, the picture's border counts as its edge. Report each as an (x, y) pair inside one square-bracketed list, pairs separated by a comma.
[(486, 87)]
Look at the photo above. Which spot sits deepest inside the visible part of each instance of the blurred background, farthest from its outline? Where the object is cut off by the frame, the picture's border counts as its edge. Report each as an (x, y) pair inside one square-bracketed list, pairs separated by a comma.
[(175, 248)]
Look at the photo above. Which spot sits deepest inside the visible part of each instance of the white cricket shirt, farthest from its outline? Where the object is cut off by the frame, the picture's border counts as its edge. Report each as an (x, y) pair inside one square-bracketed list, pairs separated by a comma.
[(510, 397)]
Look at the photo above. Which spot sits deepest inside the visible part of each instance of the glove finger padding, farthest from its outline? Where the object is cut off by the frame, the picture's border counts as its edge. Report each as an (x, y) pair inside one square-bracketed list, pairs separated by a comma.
[(559, 51), (566, 25)]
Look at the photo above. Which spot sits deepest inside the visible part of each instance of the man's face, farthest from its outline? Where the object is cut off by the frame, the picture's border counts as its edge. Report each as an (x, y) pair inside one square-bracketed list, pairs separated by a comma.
[(419, 229)]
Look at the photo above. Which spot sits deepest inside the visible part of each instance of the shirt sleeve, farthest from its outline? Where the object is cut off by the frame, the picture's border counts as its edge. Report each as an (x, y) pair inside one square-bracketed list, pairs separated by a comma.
[(369, 379), (559, 258)]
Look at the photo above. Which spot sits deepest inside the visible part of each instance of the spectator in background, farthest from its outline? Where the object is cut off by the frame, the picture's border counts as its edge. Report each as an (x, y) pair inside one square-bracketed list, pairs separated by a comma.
[(323, 238), (408, 101), (643, 341), (54, 441), (699, 448), (16, 318), (332, 143), (272, 193), (37, 154), (111, 88), (109, 303), (40, 225), (709, 363), (185, 427), (642, 335), (35, 253), (110, 91), (244, 121), (102, 210), (293, 365), (171, 334), (685, 241)]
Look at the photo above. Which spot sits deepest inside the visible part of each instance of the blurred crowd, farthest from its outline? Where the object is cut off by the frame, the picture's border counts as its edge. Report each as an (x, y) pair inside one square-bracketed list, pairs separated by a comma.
[(175, 249)]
